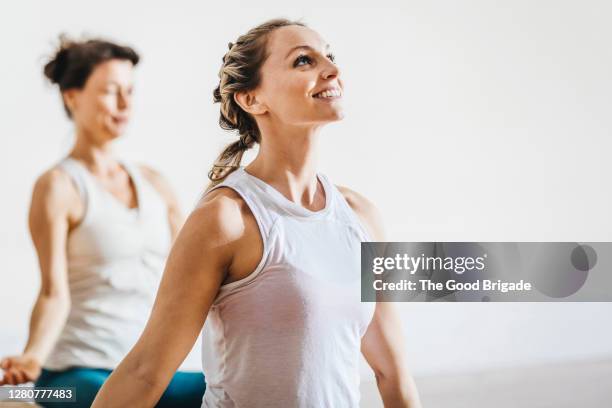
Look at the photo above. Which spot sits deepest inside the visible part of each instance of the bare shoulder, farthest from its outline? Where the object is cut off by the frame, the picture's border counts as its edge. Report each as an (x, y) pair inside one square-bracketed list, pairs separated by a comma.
[(222, 213), (54, 190), (365, 209), (221, 233), (158, 181), (151, 174), (358, 202)]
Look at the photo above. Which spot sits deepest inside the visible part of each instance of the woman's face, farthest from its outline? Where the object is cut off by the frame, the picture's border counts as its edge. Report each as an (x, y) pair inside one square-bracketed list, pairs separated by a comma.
[(103, 106), (300, 83)]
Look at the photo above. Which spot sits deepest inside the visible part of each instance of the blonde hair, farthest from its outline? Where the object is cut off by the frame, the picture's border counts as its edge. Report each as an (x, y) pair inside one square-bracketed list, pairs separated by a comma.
[(239, 73)]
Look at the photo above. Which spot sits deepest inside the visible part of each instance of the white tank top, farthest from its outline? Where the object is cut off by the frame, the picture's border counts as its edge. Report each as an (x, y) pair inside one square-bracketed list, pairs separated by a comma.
[(115, 257), (289, 334)]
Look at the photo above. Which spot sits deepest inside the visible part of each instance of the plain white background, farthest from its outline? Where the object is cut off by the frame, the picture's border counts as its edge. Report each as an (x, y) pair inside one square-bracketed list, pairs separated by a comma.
[(469, 120)]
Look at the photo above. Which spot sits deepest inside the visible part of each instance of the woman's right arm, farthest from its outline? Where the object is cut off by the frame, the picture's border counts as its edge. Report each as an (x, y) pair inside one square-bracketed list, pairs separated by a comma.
[(196, 267), (52, 200)]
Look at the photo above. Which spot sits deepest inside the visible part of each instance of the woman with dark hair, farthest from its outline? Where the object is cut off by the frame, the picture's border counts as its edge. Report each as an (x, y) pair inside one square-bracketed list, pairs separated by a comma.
[(102, 228), (270, 256)]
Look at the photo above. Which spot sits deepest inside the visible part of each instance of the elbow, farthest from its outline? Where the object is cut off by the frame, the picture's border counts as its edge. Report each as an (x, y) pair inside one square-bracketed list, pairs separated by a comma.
[(130, 384), (387, 377), (54, 290), (397, 389), (142, 369), (58, 297), (145, 377)]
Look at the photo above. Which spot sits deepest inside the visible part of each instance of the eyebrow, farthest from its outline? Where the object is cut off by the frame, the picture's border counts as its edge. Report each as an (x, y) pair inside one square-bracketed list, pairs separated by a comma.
[(115, 83), (303, 47)]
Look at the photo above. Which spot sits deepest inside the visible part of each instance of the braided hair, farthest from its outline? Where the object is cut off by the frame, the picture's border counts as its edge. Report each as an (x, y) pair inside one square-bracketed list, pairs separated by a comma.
[(239, 73)]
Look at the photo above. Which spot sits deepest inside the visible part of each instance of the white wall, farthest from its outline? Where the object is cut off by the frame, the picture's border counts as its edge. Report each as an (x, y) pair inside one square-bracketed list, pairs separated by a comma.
[(471, 120)]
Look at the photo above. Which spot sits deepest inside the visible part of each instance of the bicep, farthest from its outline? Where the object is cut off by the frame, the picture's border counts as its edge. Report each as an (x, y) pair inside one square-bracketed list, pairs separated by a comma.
[(192, 277), (383, 343), (48, 225)]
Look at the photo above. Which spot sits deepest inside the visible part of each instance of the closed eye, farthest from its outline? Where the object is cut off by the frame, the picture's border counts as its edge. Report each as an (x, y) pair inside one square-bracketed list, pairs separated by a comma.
[(331, 57)]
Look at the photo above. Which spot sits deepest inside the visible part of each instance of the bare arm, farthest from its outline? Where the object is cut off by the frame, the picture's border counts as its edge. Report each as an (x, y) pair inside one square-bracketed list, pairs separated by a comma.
[(175, 215), (195, 269), (383, 343), (52, 199), (382, 346)]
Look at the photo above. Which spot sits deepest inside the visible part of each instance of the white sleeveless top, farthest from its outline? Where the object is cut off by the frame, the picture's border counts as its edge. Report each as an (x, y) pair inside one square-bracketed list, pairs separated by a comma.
[(289, 334), (115, 257)]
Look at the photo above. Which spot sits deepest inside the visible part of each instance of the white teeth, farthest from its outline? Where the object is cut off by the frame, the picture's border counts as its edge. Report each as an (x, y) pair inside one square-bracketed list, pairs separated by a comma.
[(328, 93)]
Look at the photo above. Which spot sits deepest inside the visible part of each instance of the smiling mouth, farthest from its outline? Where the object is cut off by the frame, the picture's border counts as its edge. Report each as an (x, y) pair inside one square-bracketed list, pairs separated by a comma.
[(120, 120), (328, 94)]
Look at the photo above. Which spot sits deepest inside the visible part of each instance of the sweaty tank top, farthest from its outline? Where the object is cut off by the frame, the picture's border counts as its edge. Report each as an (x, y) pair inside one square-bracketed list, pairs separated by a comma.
[(289, 334), (115, 259)]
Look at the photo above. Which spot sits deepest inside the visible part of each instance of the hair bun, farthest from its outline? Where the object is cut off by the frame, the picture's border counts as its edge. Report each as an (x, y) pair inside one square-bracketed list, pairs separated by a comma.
[(54, 70)]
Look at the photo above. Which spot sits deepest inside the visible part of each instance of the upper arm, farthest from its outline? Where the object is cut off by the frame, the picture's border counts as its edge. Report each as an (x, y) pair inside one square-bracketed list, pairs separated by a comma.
[(53, 198), (382, 345), (163, 187), (194, 271)]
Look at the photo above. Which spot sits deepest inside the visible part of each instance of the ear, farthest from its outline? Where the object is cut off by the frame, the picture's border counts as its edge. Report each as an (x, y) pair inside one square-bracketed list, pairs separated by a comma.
[(249, 103), (70, 99)]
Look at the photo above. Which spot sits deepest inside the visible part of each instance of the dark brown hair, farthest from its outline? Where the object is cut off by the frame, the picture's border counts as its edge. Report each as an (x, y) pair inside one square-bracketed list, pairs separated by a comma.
[(239, 73), (74, 61)]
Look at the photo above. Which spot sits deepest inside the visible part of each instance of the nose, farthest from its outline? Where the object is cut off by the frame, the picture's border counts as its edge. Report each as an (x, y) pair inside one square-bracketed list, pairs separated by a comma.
[(330, 70), (123, 101)]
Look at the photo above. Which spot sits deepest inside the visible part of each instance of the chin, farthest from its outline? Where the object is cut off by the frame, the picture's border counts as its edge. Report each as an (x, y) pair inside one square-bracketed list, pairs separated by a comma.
[(340, 115), (336, 116), (112, 134), (330, 119), (331, 114)]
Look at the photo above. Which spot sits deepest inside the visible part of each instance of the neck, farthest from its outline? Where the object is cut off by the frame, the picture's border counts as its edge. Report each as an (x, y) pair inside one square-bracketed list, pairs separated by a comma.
[(287, 160), (98, 156)]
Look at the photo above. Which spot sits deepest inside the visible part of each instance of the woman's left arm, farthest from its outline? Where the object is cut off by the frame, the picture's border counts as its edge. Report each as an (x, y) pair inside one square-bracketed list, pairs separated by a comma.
[(383, 343), (382, 346), (161, 185)]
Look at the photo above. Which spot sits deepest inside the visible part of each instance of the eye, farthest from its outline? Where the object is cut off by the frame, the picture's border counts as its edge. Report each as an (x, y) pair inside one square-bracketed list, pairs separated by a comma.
[(110, 90), (331, 57), (299, 61)]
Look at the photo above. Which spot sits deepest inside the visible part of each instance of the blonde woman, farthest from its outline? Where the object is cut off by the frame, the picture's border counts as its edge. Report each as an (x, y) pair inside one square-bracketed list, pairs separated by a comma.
[(270, 256)]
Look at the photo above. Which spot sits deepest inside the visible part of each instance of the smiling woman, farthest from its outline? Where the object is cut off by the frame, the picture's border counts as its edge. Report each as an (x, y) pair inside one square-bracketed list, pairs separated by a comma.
[(242, 70), (269, 258)]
